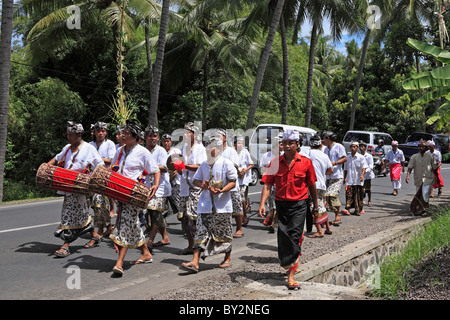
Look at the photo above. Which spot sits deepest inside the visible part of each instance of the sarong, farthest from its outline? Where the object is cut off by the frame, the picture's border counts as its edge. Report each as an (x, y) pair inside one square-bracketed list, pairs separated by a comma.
[(188, 205), (418, 203), (127, 232), (237, 203), (395, 170), (214, 233), (438, 181), (332, 193), (100, 205), (75, 218), (291, 221), (354, 198), (321, 217)]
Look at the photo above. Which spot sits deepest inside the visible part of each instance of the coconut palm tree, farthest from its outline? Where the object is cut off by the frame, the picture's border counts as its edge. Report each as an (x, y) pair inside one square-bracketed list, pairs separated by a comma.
[(5, 63), (341, 15)]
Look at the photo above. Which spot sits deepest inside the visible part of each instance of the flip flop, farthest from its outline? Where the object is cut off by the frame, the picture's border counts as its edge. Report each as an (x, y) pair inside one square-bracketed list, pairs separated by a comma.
[(336, 222), (140, 261), (293, 285), (312, 236), (225, 264), (238, 235), (189, 266), (160, 244), (346, 212), (117, 270)]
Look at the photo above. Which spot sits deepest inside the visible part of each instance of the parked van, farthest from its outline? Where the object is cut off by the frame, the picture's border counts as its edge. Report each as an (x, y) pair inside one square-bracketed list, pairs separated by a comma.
[(261, 139), (369, 137)]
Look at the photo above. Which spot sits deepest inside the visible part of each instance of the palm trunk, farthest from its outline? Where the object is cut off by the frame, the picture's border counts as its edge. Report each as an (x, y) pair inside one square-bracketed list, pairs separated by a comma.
[(5, 64), (285, 104), (205, 89), (263, 63), (309, 83), (359, 78), (149, 54), (153, 113)]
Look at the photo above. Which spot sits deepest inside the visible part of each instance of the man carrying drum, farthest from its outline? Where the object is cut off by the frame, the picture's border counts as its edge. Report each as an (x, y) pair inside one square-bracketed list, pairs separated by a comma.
[(132, 160), (75, 218)]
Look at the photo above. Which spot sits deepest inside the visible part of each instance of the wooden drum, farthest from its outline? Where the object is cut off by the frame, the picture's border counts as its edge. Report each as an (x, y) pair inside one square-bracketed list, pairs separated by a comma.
[(57, 178), (119, 187)]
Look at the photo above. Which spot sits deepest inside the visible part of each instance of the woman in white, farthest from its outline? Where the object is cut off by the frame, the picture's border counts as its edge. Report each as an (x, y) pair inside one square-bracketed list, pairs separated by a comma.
[(78, 156), (216, 177), (131, 160)]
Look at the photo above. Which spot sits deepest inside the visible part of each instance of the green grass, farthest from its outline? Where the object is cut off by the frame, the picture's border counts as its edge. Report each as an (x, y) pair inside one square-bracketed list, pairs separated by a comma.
[(396, 270)]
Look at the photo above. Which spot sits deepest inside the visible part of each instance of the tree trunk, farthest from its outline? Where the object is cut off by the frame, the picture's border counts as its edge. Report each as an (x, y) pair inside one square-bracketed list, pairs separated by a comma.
[(359, 78), (205, 89), (309, 82), (5, 64), (149, 54), (157, 72), (285, 104), (263, 63)]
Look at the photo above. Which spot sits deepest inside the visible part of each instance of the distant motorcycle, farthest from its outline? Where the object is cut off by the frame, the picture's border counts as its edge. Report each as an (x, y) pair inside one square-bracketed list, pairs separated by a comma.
[(378, 164)]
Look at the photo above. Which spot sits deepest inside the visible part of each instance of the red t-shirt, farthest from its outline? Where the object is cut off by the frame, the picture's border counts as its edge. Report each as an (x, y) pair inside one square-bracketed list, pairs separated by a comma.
[(291, 184)]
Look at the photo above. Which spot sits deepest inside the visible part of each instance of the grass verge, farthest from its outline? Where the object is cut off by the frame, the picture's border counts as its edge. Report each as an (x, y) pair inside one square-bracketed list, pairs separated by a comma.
[(396, 271)]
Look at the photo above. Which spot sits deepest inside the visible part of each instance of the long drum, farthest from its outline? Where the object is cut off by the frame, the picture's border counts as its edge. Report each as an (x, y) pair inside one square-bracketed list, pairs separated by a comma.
[(119, 187), (57, 178)]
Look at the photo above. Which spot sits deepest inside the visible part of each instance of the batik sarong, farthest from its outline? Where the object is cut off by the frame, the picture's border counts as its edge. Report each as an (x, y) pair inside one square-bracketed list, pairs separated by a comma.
[(237, 203), (188, 205), (214, 233), (354, 198), (127, 232), (100, 205), (291, 221), (332, 192)]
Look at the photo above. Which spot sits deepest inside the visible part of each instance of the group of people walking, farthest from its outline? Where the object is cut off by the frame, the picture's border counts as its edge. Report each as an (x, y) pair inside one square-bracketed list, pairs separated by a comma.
[(206, 185)]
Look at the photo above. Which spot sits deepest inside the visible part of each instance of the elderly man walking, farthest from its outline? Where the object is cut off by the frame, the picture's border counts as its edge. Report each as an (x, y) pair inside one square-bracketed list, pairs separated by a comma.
[(293, 176), (423, 164), (396, 160)]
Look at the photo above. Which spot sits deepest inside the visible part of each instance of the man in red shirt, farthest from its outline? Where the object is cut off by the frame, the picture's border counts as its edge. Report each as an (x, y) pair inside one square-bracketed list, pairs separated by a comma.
[(293, 176)]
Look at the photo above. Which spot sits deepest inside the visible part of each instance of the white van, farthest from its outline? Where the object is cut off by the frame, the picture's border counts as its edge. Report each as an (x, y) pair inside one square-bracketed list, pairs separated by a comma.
[(261, 139), (369, 137)]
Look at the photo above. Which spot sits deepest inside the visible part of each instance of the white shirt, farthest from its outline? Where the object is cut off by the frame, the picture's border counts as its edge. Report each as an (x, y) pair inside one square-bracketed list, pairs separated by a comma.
[(133, 162), (193, 155), (336, 152), (245, 160), (354, 167), (369, 170), (106, 149), (80, 159), (160, 156), (395, 157), (321, 164), (231, 154), (223, 169), (437, 155)]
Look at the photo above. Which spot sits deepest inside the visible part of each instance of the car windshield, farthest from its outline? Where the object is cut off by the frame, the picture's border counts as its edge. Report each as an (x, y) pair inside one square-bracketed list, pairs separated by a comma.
[(387, 139), (357, 136), (417, 136)]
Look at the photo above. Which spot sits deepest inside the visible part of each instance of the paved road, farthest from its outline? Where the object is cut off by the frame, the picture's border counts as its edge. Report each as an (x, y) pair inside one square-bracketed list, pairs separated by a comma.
[(29, 270)]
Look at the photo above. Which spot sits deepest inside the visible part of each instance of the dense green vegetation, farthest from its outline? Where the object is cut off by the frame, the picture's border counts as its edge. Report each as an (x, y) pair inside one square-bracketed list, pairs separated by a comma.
[(212, 53)]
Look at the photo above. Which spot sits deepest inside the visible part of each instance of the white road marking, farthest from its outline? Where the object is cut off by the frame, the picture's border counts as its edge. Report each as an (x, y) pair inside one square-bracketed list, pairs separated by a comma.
[(30, 227)]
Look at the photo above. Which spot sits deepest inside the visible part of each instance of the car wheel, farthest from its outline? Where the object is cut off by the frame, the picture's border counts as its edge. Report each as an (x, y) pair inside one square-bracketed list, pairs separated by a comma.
[(255, 177)]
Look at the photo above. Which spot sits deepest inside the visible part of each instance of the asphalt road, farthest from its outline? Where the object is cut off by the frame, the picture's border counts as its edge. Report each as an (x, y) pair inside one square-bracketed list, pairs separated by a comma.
[(29, 270)]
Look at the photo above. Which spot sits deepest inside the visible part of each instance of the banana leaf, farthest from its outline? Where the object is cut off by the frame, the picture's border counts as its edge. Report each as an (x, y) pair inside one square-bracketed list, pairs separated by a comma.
[(438, 53), (441, 116)]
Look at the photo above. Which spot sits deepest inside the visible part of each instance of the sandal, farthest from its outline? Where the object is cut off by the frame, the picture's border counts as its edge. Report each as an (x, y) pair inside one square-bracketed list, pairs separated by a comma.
[(96, 242), (118, 270), (62, 252), (293, 285), (336, 223), (225, 264), (238, 235), (315, 235), (189, 267), (245, 221)]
